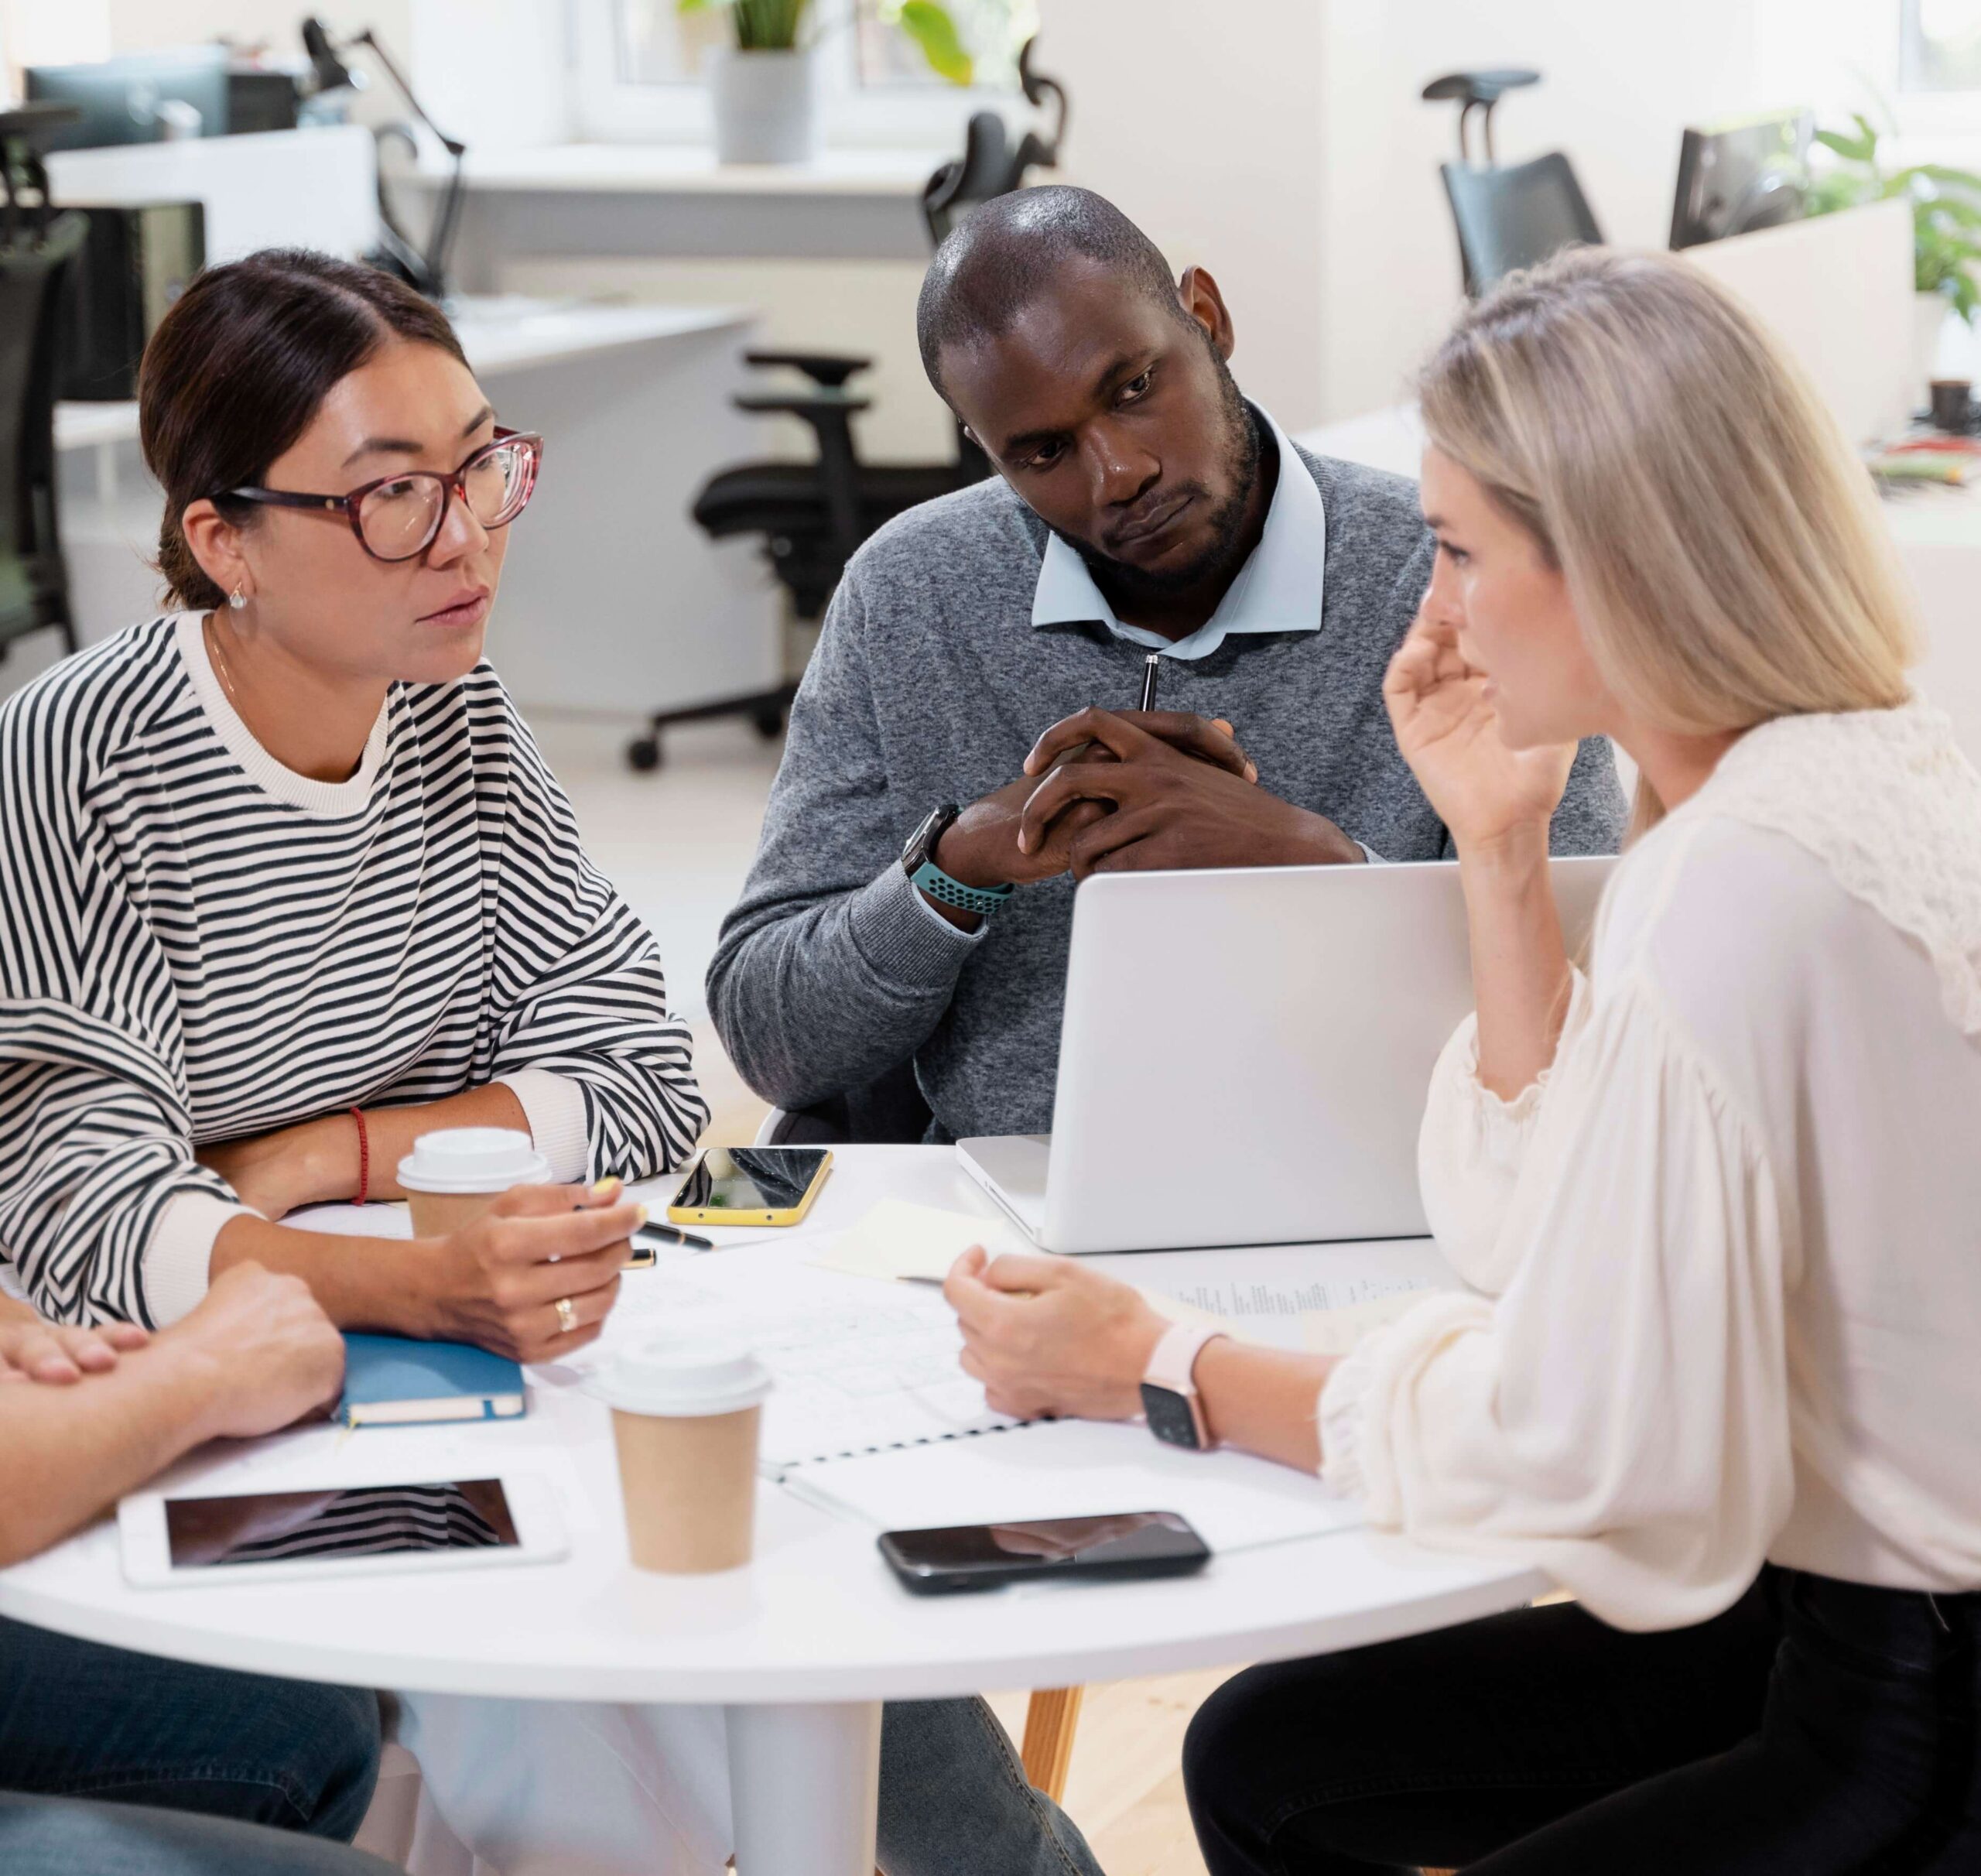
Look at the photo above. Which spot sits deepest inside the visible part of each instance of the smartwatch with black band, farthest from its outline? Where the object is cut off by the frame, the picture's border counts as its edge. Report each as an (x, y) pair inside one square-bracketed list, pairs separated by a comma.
[(917, 861)]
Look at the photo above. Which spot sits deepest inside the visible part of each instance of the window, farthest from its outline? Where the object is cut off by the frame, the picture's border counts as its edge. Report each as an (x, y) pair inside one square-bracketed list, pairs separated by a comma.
[(640, 65), (1939, 45)]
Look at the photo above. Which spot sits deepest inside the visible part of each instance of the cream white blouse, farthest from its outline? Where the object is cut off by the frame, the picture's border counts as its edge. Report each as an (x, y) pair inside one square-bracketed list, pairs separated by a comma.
[(1725, 1256)]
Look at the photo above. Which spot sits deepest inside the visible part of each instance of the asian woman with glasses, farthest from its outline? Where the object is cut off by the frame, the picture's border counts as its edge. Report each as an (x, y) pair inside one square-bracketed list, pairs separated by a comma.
[(284, 882)]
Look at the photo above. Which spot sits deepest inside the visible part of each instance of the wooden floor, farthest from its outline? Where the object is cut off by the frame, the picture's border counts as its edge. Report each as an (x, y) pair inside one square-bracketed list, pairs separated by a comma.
[(1125, 1789)]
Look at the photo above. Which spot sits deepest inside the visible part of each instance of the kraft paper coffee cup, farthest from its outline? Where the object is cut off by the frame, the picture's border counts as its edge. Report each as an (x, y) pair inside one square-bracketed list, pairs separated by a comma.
[(685, 1414), (451, 1178)]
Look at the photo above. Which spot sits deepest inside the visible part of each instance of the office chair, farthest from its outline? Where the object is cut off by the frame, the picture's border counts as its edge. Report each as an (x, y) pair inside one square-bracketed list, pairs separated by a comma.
[(38, 246), (814, 515), (1509, 218)]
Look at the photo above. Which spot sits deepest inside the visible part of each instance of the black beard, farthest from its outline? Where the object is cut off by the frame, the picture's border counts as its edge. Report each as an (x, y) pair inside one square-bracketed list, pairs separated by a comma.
[(1244, 451)]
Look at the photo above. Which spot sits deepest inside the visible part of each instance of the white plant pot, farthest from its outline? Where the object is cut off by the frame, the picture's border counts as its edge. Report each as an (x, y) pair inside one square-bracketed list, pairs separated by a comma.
[(1929, 318), (766, 106)]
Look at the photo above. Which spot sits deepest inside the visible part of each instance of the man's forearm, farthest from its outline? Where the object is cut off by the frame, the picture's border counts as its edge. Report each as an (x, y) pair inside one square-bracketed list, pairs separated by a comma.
[(831, 997), (374, 1283), (67, 1453)]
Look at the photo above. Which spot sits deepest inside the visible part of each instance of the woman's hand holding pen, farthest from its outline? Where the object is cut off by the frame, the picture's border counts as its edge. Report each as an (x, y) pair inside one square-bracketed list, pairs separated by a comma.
[(499, 1281)]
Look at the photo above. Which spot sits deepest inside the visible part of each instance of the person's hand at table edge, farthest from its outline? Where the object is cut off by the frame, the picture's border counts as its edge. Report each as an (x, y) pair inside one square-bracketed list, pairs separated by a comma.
[(58, 1354), (264, 1353), (1048, 1336)]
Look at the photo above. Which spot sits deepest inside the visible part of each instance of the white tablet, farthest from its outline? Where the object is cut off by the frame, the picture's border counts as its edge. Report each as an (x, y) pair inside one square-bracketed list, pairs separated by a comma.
[(340, 1530)]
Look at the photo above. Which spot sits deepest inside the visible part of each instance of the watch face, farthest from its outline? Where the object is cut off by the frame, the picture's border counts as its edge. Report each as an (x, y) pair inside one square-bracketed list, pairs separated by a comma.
[(1169, 1416), (921, 843)]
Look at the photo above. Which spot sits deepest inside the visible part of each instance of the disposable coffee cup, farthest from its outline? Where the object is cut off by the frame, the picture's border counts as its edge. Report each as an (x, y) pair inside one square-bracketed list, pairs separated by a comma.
[(451, 1178), (685, 1418)]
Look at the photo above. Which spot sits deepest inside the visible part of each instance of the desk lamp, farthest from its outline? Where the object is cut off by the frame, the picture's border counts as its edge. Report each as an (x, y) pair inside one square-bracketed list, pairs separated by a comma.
[(395, 253)]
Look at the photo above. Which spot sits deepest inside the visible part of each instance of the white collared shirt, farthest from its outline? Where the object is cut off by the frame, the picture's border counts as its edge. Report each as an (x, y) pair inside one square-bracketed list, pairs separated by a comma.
[(1278, 588)]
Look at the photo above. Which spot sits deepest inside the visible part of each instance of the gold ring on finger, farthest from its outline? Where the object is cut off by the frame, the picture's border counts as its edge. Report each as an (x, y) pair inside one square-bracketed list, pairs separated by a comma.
[(567, 1317)]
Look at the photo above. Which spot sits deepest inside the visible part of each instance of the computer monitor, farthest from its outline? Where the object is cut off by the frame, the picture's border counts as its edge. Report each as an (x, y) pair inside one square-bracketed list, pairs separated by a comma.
[(120, 98), (1735, 177)]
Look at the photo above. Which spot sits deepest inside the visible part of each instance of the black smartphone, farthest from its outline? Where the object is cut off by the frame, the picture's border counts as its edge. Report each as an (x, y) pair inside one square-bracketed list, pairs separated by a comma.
[(953, 1557)]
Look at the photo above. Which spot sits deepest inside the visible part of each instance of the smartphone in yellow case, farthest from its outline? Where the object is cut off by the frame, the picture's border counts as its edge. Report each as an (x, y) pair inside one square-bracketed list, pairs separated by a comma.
[(750, 1185)]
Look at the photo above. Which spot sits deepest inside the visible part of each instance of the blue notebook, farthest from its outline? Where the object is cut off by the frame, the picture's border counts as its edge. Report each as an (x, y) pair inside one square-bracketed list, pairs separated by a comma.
[(390, 1382)]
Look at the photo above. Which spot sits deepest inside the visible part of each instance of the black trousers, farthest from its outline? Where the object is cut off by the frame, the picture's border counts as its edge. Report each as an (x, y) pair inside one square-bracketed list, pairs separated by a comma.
[(1816, 1728)]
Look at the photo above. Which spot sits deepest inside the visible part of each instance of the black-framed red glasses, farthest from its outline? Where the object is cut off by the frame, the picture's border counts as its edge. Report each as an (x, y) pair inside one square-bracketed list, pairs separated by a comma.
[(398, 517)]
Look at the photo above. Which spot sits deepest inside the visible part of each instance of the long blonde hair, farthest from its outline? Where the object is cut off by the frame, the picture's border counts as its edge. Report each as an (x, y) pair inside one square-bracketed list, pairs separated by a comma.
[(1721, 543)]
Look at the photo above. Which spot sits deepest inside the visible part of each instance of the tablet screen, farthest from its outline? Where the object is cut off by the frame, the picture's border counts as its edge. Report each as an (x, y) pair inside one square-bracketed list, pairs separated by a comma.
[(366, 1521)]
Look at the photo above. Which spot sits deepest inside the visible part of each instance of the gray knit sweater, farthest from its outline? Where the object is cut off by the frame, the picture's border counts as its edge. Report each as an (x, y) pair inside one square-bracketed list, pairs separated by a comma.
[(930, 684)]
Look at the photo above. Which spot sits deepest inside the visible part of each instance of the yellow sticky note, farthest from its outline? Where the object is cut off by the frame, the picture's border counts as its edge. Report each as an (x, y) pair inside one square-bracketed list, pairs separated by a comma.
[(898, 1240)]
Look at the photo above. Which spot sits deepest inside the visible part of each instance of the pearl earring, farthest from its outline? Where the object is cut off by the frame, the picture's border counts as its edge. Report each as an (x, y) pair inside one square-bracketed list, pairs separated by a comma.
[(237, 599)]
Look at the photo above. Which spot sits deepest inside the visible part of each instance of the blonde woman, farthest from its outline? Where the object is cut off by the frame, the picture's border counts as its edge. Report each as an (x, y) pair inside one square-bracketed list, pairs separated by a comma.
[(1718, 1196)]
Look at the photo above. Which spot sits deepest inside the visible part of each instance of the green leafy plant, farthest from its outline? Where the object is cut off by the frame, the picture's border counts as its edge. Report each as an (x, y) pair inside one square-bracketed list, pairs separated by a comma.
[(1946, 210), (762, 25), (774, 25)]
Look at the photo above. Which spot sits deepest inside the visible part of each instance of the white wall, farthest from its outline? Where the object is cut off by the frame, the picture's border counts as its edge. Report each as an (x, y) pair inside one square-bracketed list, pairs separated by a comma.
[(138, 25), (1620, 83), (1281, 143), (1202, 119)]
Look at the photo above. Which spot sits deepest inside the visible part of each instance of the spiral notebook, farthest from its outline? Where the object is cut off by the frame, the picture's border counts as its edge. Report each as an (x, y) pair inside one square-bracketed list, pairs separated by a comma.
[(872, 1417)]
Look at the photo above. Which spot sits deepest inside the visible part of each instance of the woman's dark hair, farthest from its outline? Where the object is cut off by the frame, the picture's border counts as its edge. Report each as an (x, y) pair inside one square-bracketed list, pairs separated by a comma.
[(238, 369)]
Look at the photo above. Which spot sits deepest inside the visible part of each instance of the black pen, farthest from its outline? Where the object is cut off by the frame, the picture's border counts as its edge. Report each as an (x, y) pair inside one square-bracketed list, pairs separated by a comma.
[(672, 1235), (1150, 665)]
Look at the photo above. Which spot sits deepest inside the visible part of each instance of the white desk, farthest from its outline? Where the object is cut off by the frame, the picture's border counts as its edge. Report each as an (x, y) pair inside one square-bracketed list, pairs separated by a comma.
[(613, 602), (1937, 530), (800, 1647)]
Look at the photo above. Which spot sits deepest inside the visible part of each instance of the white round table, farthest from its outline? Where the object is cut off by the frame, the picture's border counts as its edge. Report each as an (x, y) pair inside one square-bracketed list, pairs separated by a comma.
[(800, 1647)]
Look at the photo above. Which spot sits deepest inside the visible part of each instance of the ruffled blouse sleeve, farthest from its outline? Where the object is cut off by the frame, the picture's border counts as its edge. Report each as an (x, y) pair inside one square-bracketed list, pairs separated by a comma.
[(1619, 1416), (1473, 1144)]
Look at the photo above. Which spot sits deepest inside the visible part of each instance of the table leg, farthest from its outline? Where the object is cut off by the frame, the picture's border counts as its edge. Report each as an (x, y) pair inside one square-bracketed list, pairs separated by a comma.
[(804, 1783)]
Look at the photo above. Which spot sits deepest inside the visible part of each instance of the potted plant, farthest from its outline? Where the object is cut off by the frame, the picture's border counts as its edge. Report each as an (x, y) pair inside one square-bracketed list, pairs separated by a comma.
[(764, 87), (1946, 225)]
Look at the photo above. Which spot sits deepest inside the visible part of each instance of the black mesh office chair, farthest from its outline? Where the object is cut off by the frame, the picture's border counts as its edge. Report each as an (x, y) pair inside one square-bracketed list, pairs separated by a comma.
[(37, 247), (1508, 217), (813, 515)]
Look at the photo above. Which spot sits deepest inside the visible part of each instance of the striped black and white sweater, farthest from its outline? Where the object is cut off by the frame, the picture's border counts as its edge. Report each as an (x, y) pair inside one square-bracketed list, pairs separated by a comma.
[(197, 943)]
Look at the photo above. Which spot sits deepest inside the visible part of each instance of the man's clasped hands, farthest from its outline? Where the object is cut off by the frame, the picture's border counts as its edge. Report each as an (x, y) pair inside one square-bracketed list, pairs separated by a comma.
[(1106, 791)]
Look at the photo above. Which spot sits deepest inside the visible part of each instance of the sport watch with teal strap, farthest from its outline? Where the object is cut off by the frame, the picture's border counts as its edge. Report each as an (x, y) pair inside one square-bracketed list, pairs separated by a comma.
[(917, 861)]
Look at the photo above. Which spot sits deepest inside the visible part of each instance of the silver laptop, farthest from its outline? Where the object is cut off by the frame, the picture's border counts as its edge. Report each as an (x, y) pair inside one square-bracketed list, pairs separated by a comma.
[(1245, 1054)]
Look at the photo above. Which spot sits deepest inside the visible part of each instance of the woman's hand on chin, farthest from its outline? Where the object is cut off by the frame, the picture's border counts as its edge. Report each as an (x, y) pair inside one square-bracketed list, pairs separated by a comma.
[(1045, 1335), (1487, 794)]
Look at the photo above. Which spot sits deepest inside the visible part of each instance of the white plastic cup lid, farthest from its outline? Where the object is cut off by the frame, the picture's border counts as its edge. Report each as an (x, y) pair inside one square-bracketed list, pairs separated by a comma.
[(678, 1378), (473, 1160)]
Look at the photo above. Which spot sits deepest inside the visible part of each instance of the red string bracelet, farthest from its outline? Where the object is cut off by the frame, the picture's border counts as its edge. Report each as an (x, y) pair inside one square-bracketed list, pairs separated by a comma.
[(363, 1157)]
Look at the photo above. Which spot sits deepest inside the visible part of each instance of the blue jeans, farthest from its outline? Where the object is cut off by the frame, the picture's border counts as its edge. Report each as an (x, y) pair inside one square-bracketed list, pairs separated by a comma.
[(955, 1800), (81, 1720), (66, 1836)]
